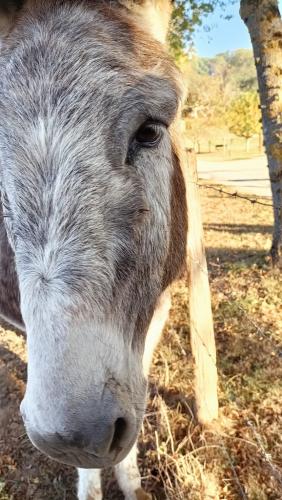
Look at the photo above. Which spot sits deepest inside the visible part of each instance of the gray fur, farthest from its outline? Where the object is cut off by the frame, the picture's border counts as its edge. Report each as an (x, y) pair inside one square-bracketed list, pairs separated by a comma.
[(91, 217)]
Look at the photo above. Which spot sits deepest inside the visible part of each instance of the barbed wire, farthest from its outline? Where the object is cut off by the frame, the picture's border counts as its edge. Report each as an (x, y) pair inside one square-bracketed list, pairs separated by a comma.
[(265, 455), (235, 194), (258, 330)]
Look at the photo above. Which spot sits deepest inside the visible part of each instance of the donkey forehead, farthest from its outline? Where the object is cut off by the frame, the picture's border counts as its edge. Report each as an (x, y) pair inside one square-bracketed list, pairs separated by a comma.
[(52, 71), (96, 115)]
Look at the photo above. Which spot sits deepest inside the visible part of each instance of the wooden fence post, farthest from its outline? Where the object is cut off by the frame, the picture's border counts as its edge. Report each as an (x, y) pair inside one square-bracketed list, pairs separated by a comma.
[(201, 321)]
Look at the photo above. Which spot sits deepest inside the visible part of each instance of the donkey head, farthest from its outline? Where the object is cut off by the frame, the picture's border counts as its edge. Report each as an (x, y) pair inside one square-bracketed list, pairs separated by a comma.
[(94, 205)]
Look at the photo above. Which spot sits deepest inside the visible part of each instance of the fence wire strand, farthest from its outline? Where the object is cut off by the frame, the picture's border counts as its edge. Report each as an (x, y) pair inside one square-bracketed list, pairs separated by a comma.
[(266, 456), (235, 194), (258, 331), (257, 200)]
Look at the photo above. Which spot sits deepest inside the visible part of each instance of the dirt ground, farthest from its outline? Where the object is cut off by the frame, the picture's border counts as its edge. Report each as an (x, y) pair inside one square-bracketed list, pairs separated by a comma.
[(240, 455)]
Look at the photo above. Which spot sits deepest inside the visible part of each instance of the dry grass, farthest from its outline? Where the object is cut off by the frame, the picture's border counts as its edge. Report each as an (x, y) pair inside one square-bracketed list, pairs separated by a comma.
[(240, 455)]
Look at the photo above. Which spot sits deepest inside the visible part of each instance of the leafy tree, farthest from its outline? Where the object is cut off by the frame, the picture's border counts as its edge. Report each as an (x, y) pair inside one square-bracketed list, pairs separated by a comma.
[(187, 15), (263, 20), (242, 69), (212, 83), (236, 69), (243, 116)]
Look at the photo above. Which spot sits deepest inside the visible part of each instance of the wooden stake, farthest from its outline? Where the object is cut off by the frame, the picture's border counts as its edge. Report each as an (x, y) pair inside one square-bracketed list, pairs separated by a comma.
[(201, 320)]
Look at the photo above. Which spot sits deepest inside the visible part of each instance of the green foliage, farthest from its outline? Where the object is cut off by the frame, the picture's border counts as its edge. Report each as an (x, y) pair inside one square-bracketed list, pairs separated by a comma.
[(212, 83), (186, 17), (237, 69), (243, 116), (243, 72)]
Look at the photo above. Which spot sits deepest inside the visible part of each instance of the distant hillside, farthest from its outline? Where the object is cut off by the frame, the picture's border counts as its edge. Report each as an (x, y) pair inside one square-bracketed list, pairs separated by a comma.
[(237, 68), (212, 85)]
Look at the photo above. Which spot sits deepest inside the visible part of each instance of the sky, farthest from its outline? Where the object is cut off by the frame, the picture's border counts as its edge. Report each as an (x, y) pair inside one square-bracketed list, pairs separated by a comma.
[(224, 34)]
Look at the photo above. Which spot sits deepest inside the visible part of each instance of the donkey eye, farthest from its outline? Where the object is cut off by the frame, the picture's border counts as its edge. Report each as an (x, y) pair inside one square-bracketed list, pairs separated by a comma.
[(149, 134)]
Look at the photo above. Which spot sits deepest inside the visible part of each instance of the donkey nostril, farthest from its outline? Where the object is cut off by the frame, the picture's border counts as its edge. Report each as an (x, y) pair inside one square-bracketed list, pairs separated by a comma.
[(120, 428)]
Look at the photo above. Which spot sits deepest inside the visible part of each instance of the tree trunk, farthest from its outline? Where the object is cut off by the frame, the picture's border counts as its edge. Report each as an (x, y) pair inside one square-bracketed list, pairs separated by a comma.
[(263, 20), (260, 146), (201, 321)]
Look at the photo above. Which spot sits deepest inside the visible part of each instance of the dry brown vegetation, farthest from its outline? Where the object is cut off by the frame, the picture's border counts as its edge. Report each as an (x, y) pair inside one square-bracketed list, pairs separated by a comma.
[(240, 455)]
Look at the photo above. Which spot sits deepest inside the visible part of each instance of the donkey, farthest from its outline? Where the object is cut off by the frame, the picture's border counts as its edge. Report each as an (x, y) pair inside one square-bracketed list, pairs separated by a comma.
[(93, 219)]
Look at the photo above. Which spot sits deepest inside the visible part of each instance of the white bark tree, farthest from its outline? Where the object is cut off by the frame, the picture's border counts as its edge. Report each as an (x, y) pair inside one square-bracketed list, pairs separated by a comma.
[(263, 20)]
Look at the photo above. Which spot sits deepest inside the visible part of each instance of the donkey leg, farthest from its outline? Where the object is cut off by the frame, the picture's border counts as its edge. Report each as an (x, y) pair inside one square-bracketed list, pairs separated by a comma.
[(129, 478), (127, 472), (89, 484), (155, 329)]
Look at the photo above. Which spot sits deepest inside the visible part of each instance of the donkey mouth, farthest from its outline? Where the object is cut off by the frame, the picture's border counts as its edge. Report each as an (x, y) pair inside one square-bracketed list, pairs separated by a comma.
[(86, 460), (77, 457)]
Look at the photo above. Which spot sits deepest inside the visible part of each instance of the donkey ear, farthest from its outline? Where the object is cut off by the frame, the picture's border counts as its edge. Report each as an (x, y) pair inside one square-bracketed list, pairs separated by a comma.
[(154, 16)]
